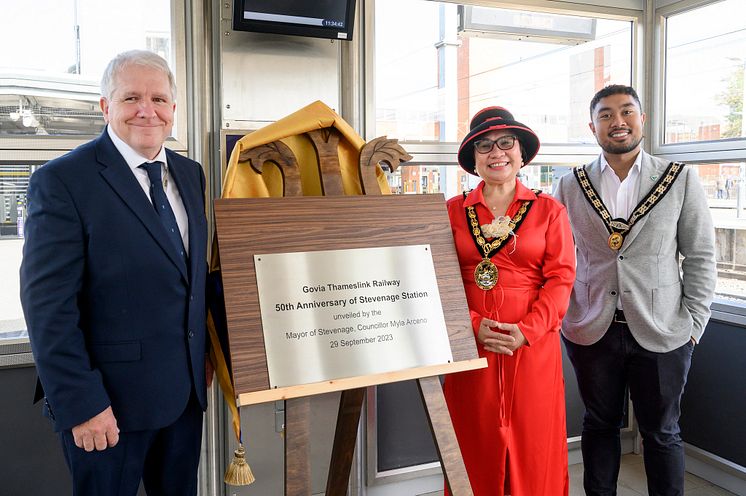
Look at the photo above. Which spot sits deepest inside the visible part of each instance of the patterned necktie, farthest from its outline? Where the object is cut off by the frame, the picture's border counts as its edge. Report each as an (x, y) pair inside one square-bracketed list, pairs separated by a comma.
[(162, 207)]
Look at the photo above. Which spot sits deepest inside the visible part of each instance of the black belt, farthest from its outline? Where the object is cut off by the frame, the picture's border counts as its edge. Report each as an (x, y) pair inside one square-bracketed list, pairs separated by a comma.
[(619, 317)]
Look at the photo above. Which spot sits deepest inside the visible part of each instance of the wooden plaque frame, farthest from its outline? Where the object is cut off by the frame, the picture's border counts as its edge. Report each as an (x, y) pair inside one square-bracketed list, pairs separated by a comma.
[(252, 226)]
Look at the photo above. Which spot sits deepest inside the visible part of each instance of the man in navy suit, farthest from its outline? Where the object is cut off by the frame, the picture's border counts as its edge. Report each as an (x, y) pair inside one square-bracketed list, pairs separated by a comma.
[(112, 287)]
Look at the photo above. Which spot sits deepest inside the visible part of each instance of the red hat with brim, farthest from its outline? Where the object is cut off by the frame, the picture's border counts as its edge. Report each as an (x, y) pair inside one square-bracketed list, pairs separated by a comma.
[(496, 119)]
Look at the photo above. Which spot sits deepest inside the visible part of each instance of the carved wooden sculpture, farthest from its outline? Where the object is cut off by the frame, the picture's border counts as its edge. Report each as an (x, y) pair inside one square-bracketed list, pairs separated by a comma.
[(278, 153), (381, 150)]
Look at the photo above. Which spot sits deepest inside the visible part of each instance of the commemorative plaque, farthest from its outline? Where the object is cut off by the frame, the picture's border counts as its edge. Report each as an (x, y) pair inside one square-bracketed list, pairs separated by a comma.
[(344, 313)]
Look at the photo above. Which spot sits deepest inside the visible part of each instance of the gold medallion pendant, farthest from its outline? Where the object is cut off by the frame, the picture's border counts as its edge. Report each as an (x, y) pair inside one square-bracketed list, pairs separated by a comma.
[(615, 241), (485, 274)]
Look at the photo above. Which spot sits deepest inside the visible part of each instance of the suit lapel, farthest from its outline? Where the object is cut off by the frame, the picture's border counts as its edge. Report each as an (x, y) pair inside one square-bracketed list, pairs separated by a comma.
[(649, 175), (117, 173), (192, 205), (593, 170)]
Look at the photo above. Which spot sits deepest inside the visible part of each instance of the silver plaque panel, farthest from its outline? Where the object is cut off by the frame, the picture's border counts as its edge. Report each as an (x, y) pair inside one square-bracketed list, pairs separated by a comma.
[(348, 313)]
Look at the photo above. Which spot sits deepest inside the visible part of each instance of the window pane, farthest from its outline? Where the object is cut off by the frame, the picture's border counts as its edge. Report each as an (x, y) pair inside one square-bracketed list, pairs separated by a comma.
[(50, 68), (452, 180), (13, 185), (725, 185), (705, 64), (447, 179), (432, 75), (12, 324)]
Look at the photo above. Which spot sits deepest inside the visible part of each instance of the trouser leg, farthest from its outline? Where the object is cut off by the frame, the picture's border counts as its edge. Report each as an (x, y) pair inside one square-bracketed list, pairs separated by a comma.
[(173, 459), (656, 382), (115, 471), (165, 459), (600, 371)]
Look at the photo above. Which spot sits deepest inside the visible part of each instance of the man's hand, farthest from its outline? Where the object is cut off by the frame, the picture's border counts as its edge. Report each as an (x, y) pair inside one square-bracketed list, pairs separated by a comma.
[(500, 342), (99, 432), (209, 371)]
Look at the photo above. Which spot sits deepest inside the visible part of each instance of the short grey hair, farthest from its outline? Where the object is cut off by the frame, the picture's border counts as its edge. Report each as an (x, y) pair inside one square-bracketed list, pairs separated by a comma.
[(134, 57)]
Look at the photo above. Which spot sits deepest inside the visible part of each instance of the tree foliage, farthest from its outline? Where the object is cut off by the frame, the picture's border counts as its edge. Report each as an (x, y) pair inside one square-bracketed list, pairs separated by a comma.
[(732, 97)]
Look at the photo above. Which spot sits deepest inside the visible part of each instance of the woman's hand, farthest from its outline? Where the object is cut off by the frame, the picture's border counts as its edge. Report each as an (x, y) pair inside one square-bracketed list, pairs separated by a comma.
[(500, 342)]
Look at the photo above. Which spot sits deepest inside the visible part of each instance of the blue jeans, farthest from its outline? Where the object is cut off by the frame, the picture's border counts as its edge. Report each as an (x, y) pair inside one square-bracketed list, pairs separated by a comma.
[(605, 371)]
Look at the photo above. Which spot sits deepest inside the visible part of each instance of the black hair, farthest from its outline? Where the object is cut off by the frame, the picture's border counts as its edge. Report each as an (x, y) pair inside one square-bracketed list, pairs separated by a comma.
[(614, 89), (524, 155)]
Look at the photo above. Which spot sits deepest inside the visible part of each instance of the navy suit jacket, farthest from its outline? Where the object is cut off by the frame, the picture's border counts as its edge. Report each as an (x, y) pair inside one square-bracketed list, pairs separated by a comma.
[(114, 317)]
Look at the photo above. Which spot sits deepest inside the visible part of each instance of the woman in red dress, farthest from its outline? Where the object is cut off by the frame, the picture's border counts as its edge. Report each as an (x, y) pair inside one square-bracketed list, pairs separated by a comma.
[(517, 259)]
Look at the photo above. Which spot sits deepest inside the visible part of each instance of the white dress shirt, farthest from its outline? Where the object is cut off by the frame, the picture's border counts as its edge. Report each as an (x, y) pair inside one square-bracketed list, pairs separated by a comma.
[(620, 197), (134, 160)]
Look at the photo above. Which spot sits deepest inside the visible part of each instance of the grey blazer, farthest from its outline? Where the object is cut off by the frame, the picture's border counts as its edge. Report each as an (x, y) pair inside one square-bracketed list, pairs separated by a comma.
[(664, 303)]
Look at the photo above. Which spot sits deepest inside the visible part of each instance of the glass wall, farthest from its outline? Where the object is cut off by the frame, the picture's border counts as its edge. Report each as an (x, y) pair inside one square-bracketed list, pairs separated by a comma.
[(436, 73), (457, 59), (50, 67), (705, 54), (428, 179), (702, 95), (726, 194), (55, 52), (13, 184)]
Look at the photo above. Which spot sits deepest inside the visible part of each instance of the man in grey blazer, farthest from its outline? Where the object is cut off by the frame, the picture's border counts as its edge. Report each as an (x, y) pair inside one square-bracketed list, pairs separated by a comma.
[(645, 280)]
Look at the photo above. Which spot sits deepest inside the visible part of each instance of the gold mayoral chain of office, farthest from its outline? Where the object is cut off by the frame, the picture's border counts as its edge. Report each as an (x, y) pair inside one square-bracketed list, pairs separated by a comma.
[(619, 228), (486, 273)]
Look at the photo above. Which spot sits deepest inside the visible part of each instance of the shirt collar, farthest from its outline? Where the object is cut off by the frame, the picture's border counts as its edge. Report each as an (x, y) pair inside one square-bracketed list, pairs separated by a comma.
[(134, 159), (522, 193), (635, 166)]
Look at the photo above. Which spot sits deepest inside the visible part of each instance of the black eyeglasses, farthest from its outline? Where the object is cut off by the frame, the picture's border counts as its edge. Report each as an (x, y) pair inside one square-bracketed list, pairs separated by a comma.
[(503, 143)]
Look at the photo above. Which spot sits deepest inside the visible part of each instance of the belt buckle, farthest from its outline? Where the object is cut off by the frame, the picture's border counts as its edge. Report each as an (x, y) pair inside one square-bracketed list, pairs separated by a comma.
[(619, 317)]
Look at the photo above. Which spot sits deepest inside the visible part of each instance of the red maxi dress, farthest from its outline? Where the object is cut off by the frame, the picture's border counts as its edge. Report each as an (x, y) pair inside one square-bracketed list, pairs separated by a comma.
[(512, 413)]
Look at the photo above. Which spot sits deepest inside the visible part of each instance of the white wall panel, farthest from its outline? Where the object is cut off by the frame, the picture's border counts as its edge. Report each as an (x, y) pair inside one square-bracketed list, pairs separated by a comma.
[(266, 77)]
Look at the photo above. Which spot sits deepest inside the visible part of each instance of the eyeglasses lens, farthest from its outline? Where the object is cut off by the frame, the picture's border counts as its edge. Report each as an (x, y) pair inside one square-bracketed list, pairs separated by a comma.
[(503, 143)]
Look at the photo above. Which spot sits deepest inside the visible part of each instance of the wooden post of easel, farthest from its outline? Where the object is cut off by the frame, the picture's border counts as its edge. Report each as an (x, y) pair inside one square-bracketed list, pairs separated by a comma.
[(319, 224), (345, 435), (449, 453), (297, 448)]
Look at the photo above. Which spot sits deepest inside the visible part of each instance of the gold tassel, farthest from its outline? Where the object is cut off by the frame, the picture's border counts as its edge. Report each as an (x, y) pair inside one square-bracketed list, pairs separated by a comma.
[(239, 473)]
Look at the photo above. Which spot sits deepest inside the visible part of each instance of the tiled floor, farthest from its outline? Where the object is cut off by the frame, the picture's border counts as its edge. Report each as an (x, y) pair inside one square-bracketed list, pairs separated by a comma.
[(632, 481)]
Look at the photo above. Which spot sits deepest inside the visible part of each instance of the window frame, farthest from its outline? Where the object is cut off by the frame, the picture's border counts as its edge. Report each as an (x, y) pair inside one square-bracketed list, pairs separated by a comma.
[(694, 153), (730, 149), (39, 149), (45, 148), (636, 17), (648, 55)]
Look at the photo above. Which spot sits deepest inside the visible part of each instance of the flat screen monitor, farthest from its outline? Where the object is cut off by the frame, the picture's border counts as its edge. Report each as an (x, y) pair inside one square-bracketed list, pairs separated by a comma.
[(332, 19)]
